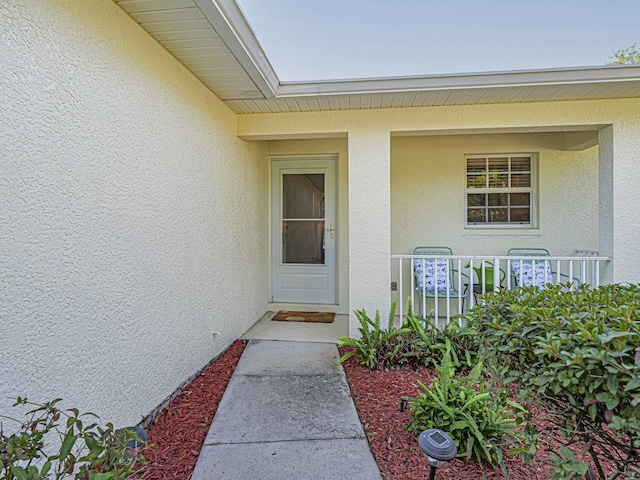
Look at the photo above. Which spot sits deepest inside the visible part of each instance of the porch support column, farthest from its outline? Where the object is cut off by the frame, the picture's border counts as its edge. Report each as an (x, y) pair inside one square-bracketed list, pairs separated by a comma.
[(619, 178), (369, 224)]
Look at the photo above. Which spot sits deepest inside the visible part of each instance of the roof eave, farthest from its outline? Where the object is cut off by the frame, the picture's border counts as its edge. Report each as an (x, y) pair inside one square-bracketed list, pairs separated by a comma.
[(232, 26), (521, 78)]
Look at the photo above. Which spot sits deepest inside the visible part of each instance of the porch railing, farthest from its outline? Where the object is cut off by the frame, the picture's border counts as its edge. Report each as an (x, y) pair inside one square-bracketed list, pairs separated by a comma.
[(449, 285)]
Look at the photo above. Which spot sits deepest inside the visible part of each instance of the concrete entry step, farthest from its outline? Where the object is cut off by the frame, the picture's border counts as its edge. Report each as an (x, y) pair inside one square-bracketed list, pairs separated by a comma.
[(266, 357), (302, 460)]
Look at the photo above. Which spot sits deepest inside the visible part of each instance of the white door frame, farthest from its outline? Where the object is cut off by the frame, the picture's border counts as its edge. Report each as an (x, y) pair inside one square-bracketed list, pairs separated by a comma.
[(304, 283)]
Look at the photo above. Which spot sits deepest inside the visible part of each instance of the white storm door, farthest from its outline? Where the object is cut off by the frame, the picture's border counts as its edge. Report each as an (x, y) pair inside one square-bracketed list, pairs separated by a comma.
[(303, 230)]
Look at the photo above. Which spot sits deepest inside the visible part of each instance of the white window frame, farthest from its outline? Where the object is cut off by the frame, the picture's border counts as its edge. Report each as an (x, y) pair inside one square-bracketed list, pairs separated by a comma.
[(533, 190)]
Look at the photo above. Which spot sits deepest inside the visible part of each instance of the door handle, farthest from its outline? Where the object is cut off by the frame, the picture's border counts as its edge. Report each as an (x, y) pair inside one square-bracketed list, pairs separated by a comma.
[(332, 231)]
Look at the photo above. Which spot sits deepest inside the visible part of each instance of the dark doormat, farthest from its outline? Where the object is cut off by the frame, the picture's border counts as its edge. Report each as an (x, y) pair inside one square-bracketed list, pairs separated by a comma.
[(314, 317)]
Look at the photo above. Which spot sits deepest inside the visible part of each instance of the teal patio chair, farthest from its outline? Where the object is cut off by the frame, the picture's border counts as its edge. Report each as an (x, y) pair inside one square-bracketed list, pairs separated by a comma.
[(523, 272), (436, 277)]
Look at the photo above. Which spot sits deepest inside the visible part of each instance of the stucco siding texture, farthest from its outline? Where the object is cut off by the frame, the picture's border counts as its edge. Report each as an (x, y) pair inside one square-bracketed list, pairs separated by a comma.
[(560, 171), (428, 180), (132, 218)]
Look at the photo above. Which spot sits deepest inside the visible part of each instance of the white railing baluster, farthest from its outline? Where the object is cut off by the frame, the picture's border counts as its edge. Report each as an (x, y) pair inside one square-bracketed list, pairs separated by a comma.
[(447, 282), (573, 287), (460, 300), (460, 297), (588, 265), (470, 294), (521, 272), (412, 284), (400, 292), (435, 290), (424, 289)]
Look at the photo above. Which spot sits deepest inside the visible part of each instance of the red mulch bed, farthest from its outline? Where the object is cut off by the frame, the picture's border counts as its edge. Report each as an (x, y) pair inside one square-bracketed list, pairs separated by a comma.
[(377, 395), (377, 399), (177, 435)]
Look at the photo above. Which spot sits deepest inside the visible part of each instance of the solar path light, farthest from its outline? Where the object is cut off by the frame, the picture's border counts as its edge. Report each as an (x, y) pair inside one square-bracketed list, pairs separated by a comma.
[(438, 447)]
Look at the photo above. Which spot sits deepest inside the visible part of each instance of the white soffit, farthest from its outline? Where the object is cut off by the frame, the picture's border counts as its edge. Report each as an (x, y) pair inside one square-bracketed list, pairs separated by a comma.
[(213, 39), (205, 37)]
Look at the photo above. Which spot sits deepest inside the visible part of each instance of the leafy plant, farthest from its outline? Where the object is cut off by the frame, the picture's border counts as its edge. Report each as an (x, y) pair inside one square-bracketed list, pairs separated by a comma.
[(577, 354), (416, 343), (479, 417), (377, 346), (566, 466), (626, 56), (461, 342), (78, 449)]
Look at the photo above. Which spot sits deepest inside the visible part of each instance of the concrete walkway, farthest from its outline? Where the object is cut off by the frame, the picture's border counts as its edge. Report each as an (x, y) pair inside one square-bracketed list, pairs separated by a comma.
[(287, 413)]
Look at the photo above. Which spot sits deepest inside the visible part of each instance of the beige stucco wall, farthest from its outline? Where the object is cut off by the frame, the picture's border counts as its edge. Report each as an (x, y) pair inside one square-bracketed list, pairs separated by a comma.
[(132, 218), (428, 189), (369, 132), (325, 146), (482, 118), (428, 193)]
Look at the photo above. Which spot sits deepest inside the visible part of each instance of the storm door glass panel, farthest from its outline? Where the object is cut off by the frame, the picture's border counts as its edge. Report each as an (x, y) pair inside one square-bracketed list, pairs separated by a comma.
[(303, 218)]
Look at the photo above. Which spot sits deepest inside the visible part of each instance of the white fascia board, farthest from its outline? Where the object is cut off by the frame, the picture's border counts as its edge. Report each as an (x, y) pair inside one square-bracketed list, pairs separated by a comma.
[(232, 26), (523, 78)]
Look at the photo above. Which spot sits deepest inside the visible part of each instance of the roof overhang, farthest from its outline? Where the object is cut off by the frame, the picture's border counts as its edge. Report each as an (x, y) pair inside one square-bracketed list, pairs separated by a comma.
[(213, 39)]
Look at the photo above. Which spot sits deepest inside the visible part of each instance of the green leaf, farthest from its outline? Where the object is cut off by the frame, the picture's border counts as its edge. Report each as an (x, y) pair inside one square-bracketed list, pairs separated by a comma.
[(604, 339), (347, 356), (100, 476), (19, 472), (67, 444), (633, 384)]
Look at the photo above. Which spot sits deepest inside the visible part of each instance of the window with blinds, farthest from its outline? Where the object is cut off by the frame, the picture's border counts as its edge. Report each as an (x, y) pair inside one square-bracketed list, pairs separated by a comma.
[(500, 190)]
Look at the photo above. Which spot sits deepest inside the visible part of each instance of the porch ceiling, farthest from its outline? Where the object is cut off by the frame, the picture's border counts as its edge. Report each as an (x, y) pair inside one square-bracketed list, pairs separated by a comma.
[(214, 41)]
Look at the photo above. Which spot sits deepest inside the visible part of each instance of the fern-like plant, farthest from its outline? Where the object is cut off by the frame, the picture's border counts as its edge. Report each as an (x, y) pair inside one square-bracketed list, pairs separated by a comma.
[(377, 346), (478, 418)]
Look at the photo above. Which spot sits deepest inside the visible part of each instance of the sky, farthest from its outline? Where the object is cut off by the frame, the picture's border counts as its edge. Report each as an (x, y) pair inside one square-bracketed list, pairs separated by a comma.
[(345, 39)]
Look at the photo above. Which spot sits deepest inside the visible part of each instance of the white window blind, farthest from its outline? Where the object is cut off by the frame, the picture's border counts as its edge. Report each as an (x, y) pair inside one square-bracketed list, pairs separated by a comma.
[(499, 190)]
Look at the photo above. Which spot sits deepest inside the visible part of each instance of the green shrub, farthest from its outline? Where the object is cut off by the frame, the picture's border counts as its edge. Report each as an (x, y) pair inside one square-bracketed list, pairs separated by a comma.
[(78, 449), (377, 346), (479, 417), (461, 342), (578, 355), (566, 466), (417, 342)]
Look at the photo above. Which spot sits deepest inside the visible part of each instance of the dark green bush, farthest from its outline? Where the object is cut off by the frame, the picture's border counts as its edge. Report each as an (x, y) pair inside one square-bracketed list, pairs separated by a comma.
[(577, 354)]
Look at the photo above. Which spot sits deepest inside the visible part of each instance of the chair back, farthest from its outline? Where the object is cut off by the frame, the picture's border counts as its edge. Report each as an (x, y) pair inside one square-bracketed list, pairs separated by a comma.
[(433, 273), (524, 271)]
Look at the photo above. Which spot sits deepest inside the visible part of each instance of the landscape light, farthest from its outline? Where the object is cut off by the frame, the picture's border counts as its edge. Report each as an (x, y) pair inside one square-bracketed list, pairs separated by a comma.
[(438, 447)]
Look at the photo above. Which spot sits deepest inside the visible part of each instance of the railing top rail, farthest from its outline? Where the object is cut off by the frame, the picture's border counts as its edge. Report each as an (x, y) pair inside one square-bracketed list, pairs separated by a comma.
[(507, 257)]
